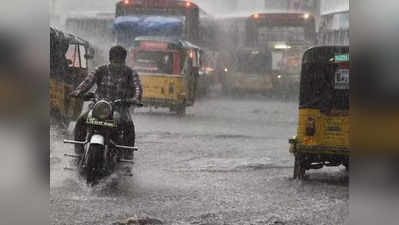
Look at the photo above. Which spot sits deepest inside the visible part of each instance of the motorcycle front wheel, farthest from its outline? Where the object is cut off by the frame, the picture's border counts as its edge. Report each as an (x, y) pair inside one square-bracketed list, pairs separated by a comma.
[(94, 160)]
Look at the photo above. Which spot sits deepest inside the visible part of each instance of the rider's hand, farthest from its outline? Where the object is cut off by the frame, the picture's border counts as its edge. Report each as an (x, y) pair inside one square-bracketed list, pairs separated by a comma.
[(119, 101), (74, 93)]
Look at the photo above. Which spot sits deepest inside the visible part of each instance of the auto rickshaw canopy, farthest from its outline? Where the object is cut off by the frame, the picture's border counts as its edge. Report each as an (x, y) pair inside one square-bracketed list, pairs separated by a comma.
[(59, 44), (324, 81)]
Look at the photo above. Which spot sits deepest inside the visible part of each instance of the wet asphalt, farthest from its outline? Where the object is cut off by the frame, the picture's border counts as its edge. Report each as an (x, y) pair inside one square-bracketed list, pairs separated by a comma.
[(225, 162)]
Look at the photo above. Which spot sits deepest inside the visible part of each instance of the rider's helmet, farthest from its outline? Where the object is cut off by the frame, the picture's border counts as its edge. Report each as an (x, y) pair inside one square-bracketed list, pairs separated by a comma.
[(117, 54)]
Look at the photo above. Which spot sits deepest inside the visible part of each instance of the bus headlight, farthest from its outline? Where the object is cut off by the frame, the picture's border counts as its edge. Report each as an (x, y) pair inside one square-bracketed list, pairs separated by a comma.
[(282, 46)]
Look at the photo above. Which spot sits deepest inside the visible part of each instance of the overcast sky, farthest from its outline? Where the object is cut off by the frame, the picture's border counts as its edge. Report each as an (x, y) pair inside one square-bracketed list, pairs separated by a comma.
[(213, 7)]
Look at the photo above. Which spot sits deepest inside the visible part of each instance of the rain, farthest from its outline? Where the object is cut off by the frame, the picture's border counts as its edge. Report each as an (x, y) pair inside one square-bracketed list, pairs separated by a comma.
[(221, 156)]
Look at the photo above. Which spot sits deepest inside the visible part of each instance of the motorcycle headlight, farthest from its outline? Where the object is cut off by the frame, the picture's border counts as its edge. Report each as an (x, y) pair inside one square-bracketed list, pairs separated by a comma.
[(102, 110)]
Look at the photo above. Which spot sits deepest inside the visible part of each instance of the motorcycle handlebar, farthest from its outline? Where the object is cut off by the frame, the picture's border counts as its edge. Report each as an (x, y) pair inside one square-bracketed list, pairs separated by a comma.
[(123, 102), (92, 97)]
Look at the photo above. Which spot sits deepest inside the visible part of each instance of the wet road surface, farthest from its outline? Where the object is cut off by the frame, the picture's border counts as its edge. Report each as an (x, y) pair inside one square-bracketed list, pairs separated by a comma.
[(226, 162)]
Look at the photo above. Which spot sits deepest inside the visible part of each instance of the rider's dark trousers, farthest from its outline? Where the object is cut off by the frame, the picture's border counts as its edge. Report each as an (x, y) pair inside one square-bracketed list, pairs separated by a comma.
[(127, 125)]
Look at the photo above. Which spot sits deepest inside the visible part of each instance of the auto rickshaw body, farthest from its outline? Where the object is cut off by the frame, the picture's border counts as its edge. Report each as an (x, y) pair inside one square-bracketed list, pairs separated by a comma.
[(168, 69), (69, 57), (324, 120)]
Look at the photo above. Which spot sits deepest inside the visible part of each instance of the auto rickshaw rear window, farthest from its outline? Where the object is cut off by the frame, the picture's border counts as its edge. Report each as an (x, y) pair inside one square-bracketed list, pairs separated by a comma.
[(152, 61), (324, 82)]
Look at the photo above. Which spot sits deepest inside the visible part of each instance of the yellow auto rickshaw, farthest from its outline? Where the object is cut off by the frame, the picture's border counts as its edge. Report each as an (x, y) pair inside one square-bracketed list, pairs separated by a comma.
[(324, 120), (168, 69), (69, 57)]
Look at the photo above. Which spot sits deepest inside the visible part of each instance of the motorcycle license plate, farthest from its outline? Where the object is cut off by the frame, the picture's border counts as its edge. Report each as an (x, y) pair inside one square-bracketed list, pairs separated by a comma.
[(108, 123)]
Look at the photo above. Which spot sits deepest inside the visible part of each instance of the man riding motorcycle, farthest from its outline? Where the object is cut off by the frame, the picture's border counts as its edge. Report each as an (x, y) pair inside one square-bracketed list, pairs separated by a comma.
[(114, 81)]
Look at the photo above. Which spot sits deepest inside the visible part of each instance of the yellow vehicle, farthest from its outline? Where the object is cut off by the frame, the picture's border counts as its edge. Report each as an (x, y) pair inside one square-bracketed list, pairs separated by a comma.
[(168, 69), (249, 71), (324, 120), (69, 57)]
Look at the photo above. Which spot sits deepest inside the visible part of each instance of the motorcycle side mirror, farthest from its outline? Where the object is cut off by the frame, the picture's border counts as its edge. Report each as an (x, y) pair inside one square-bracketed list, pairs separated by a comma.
[(89, 96)]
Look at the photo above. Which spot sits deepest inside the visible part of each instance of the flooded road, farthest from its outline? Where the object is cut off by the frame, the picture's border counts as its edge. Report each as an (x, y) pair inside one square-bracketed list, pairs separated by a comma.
[(226, 162)]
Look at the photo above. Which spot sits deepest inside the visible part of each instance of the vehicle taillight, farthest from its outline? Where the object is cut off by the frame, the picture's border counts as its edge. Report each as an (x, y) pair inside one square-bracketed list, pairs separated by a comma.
[(188, 4), (310, 127), (127, 2), (256, 16)]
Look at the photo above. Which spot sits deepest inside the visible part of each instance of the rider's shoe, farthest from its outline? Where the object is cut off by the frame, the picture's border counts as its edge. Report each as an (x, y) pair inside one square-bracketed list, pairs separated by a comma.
[(127, 171)]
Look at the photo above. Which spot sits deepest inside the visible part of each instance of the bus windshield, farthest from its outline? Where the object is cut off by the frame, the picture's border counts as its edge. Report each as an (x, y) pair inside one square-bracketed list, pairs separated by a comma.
[(281, 34), (253, 63), (287, 28), (127, 28)]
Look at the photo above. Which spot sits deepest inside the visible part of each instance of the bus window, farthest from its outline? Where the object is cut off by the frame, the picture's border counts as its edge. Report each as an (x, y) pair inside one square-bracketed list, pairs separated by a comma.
[(281, 33)]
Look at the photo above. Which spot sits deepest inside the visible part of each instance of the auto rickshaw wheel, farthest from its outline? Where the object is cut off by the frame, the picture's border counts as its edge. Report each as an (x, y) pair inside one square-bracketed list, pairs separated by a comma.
[(299, 167)]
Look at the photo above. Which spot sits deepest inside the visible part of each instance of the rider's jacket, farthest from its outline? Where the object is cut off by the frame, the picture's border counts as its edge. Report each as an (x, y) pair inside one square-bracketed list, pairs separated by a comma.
[(114, 81)]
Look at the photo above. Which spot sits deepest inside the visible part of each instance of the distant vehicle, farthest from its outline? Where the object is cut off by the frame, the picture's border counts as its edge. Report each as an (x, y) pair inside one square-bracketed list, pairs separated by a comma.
[(168, 69), (324, 118), (284, 36), (249, 72), (69, 56), (334, 28), (176, 19)]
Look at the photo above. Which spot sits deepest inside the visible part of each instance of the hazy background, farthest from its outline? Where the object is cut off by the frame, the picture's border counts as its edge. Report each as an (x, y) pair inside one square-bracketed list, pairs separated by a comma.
[(61, 8)]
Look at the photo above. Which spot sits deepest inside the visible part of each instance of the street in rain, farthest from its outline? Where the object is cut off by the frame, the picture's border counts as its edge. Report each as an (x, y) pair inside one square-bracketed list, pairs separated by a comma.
[(222, 119)]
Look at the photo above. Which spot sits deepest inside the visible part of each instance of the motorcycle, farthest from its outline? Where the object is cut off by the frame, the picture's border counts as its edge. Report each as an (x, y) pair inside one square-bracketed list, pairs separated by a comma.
[(103, 148)]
